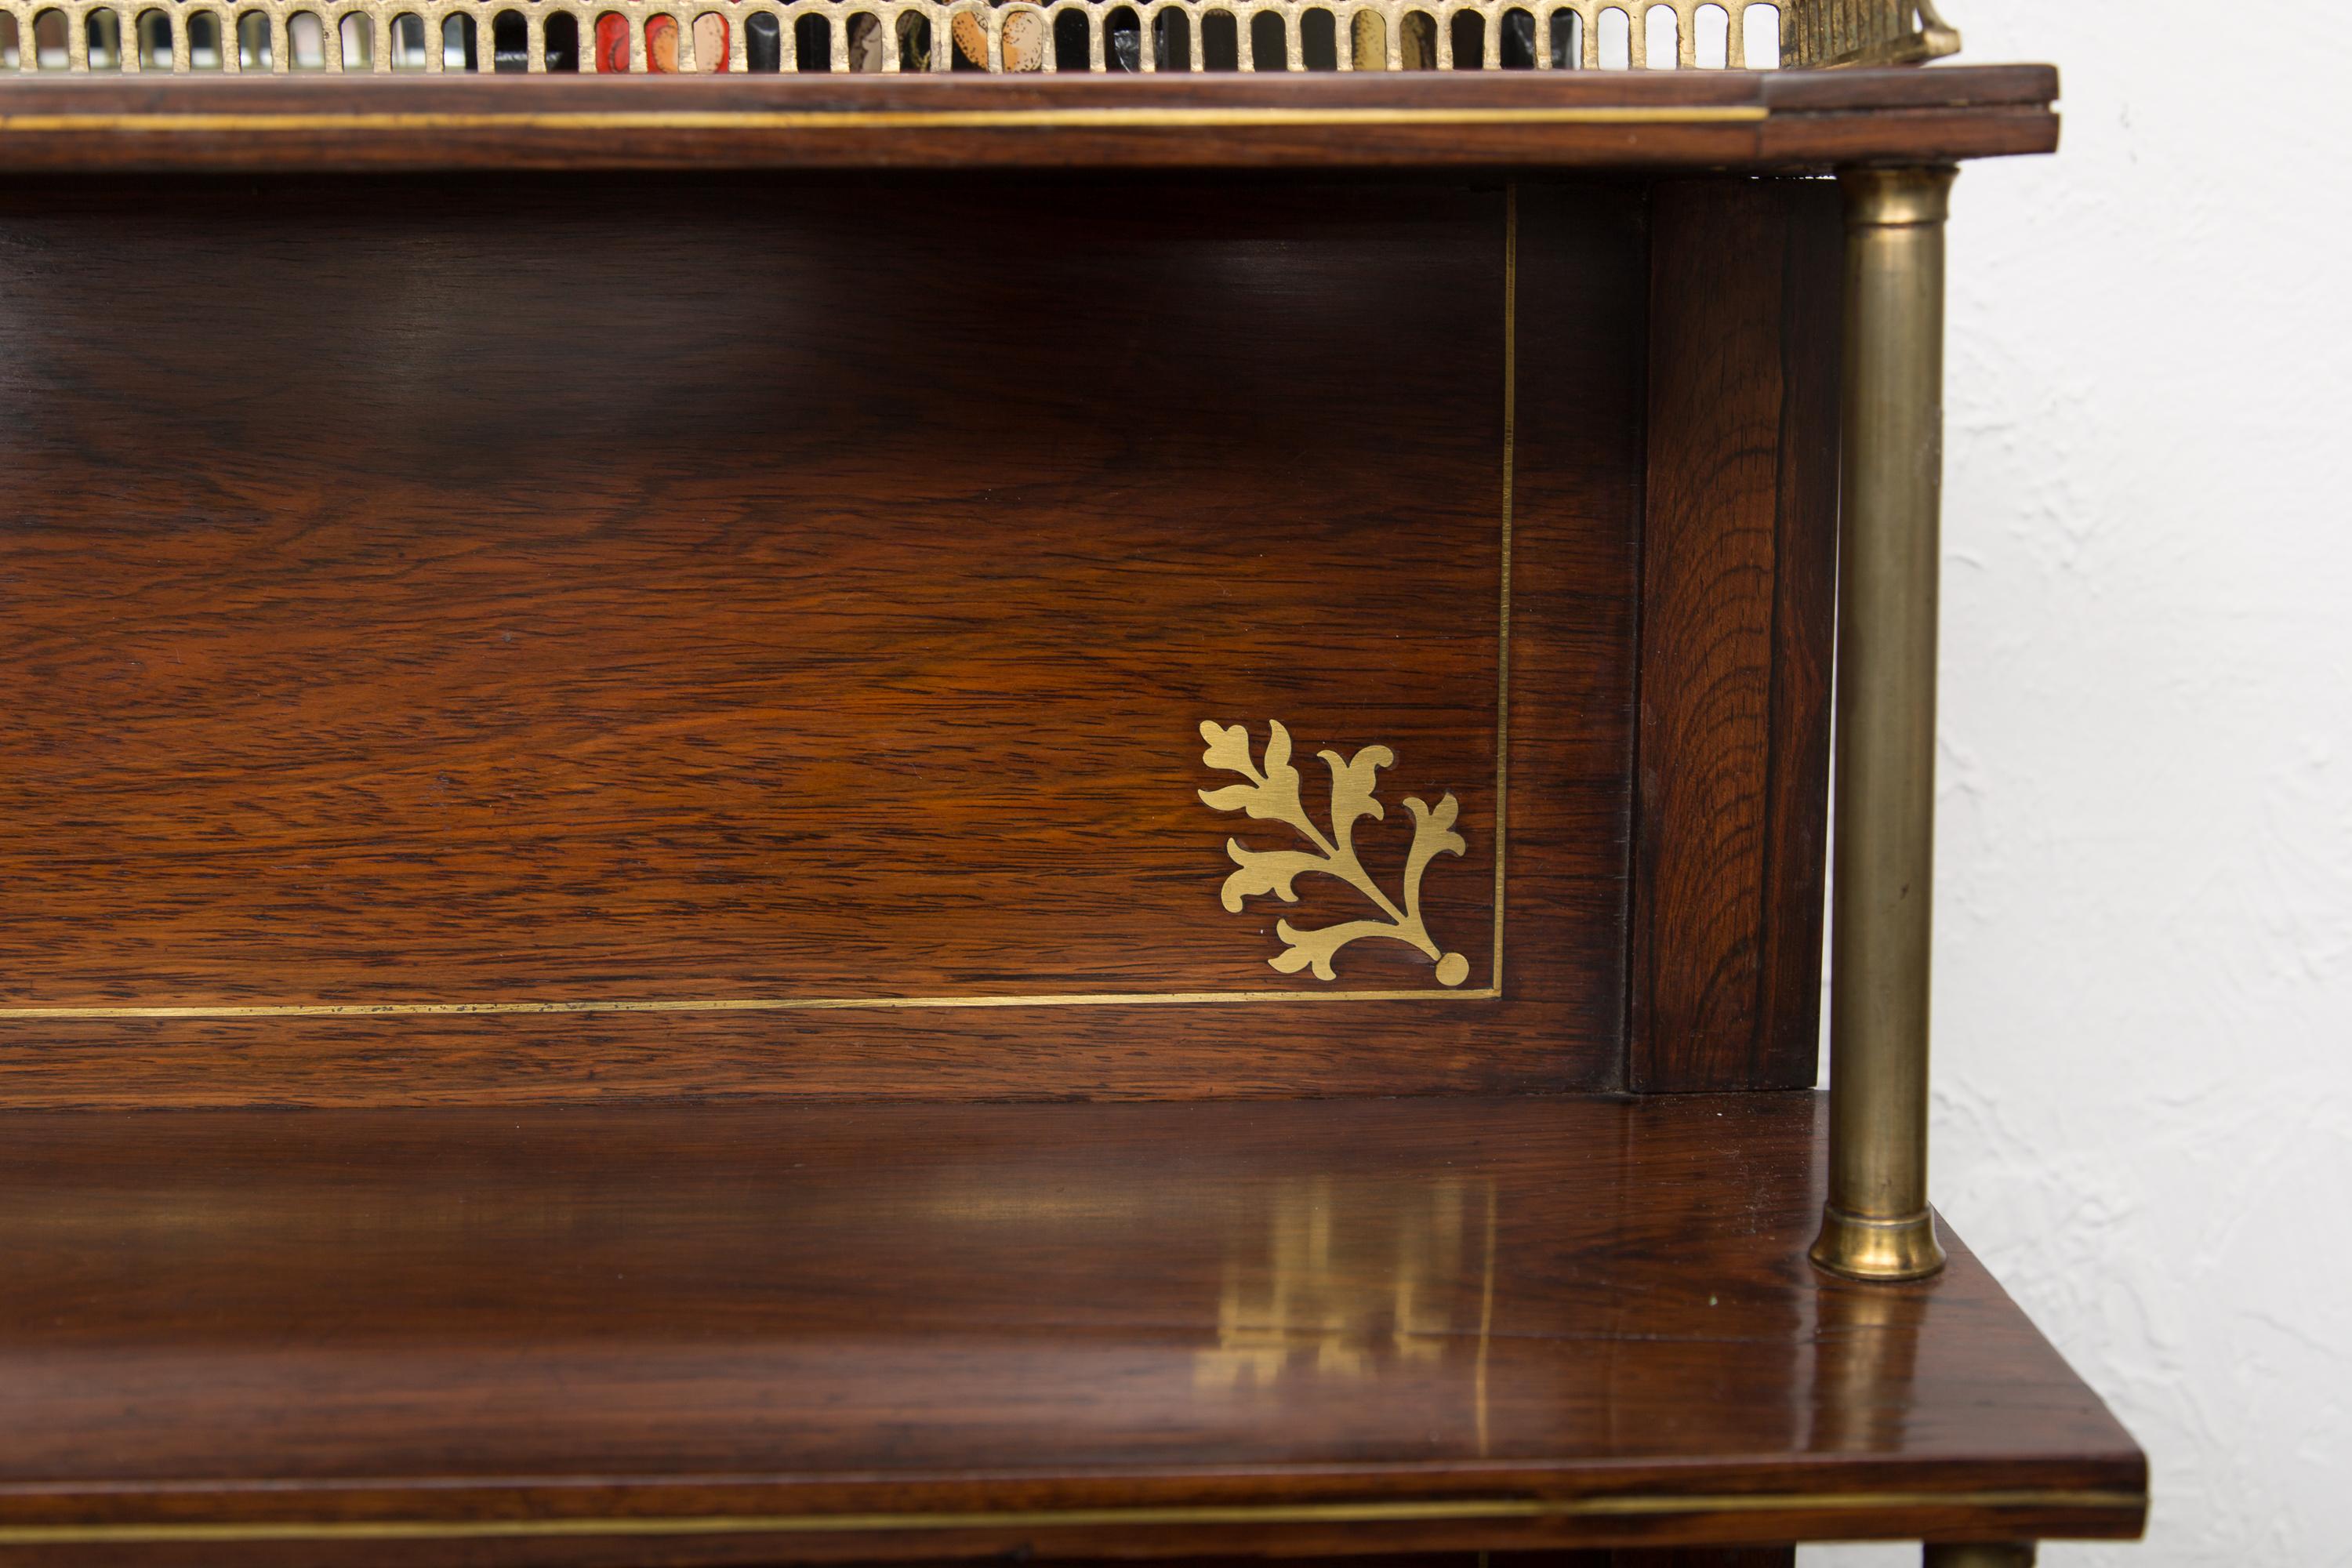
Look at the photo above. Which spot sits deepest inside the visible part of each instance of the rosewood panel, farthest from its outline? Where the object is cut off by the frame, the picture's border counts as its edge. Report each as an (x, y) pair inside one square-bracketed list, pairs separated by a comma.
[(1737, 595), (776, 620)]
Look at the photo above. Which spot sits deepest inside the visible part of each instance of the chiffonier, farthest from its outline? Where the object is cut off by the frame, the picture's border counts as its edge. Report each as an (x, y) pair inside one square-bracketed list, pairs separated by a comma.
[(869, 780)]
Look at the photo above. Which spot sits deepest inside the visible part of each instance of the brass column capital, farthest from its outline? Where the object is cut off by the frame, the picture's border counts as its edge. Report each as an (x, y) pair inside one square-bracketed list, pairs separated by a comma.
[(1898, 197), (1877, 1225)]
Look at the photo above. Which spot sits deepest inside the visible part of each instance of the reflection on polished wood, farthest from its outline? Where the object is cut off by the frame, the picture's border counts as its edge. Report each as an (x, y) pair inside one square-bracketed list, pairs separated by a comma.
[(1311, 1300), (916, 1332)]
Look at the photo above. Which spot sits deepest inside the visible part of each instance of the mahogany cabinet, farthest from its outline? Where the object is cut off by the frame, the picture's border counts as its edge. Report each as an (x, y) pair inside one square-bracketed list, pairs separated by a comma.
[(939, 816)]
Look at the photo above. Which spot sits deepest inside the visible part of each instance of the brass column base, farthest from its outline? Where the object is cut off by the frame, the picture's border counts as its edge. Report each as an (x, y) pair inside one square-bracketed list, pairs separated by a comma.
[(1860, 1248), (2015, 1554)]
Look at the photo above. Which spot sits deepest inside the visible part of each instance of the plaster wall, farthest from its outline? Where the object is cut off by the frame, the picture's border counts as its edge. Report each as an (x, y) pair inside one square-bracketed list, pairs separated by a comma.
[(2143, 856)]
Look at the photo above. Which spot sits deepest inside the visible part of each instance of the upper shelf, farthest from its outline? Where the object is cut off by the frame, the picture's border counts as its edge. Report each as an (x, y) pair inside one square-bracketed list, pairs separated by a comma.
[(1771, 120)]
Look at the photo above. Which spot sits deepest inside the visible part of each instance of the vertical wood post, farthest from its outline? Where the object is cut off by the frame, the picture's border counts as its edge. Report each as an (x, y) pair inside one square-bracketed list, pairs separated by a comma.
[(1876, 1224)]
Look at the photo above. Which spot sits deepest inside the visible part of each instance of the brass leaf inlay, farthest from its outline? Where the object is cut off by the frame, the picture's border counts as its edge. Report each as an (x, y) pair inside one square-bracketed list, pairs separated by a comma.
[(1272, 794)]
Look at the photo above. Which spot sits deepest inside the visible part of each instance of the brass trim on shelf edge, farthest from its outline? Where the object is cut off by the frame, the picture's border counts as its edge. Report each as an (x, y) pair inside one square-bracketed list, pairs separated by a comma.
[(1489, 993), (876, 120), (1434, 1510)]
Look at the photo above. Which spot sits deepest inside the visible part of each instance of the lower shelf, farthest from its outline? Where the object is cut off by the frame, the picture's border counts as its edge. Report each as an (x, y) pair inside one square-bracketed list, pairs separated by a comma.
[(755, 1334)]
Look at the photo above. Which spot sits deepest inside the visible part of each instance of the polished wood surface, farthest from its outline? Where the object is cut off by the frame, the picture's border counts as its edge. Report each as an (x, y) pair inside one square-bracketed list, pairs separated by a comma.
[(1616, 120), (1738, 593), (1454, 1323), (500, 657), (819, 653)]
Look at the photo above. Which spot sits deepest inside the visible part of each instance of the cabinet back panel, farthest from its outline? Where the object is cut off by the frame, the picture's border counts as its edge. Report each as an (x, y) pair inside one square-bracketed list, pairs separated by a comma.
[(530, 638)]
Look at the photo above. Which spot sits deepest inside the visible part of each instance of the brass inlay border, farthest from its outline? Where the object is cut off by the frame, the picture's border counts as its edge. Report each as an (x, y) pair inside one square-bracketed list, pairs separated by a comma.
[(1491, 992), (878, 119), (1637, 1506), (731, 1004)]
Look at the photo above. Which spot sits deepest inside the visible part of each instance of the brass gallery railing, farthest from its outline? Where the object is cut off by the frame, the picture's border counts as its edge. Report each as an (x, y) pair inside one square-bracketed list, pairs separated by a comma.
[(428, 37)]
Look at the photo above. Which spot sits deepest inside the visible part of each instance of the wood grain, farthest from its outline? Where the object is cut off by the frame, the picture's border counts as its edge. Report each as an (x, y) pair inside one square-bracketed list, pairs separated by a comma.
[(1789, 122), (521, 587), (818, 647), (1738, 593), (644, 1314), (1787, 1042)]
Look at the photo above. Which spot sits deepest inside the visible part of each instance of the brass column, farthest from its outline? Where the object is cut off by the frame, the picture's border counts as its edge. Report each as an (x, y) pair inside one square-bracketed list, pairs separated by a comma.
[(1877, 1225)]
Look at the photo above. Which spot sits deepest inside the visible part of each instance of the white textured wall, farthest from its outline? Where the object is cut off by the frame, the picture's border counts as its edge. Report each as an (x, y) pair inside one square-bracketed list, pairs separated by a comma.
[(2144, 861)]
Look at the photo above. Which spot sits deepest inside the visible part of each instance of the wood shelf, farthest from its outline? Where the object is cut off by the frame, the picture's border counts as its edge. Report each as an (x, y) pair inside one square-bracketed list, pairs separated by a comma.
[(726, 1334), (623, 694), (1786, 121)]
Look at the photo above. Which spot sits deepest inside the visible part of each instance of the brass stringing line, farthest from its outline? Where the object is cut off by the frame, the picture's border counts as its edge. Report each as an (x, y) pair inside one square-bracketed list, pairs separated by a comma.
[(1492, 991), (1619, 1506), (734, 1004), (1503, 644)]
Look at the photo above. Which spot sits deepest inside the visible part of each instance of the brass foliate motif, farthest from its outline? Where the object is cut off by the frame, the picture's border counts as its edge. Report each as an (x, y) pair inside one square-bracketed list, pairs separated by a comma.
[(1272, 794)]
